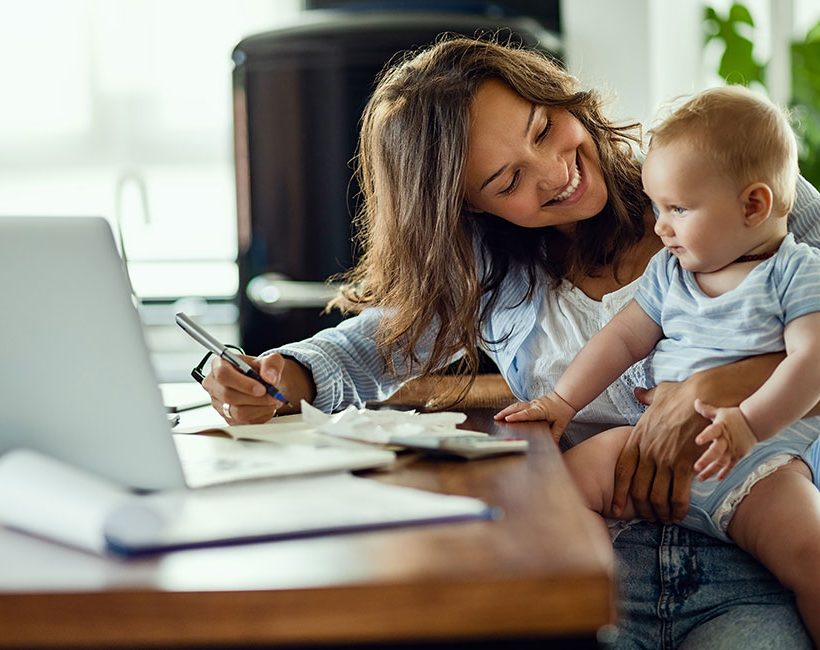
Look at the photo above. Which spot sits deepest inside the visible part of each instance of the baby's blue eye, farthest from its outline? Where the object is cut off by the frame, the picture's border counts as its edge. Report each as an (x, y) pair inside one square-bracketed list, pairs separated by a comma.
[(676, 209)]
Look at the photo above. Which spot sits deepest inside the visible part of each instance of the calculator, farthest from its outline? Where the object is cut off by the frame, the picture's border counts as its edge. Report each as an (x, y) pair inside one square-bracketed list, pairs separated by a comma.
[(468, 445)]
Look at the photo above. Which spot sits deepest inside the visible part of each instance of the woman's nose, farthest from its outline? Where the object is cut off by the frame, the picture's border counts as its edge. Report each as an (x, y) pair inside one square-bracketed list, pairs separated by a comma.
[(553, 176)]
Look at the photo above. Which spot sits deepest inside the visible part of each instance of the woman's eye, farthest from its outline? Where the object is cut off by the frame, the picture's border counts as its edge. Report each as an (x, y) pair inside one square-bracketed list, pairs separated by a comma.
[(543, 133), (513, 184)]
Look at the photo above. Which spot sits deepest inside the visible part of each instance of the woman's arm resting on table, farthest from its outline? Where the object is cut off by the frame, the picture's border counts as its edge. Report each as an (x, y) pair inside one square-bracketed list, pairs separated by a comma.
[(656, 465)]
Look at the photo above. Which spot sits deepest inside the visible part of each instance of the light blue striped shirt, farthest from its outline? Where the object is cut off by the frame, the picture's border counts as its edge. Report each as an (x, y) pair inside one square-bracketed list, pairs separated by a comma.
[(702, 332), (347, 368)]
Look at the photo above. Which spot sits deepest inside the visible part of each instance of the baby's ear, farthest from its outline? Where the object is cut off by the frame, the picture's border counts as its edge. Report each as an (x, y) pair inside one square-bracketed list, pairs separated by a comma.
[(757, 203)]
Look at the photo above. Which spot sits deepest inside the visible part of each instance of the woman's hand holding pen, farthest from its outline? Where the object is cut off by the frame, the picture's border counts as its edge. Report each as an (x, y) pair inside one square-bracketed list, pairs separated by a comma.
[(243, 400)]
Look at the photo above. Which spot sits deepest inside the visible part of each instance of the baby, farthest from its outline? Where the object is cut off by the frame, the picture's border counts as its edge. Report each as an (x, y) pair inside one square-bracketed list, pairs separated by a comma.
[(729, 283)]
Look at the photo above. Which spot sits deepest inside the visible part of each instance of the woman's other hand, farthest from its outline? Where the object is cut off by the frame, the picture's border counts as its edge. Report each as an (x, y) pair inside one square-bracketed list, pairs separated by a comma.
[(242, 400), (656, 466)]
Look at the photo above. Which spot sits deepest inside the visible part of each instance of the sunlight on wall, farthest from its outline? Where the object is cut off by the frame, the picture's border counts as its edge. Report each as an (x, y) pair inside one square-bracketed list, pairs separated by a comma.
[(656, 52)]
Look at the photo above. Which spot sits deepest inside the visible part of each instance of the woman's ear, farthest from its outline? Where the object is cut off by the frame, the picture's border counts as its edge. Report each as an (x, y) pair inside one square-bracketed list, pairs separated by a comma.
[(757, 204)]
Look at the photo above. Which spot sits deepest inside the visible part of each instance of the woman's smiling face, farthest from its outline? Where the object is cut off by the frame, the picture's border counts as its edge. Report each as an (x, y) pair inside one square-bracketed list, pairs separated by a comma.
[(529, 164)]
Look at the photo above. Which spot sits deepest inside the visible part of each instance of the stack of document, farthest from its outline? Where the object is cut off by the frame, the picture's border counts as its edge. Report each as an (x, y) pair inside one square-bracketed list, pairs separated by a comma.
[(433, 433), (301, 484)]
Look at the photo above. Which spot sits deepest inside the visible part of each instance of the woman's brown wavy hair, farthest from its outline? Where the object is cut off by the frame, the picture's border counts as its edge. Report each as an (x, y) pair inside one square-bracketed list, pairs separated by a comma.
[(418, 241)]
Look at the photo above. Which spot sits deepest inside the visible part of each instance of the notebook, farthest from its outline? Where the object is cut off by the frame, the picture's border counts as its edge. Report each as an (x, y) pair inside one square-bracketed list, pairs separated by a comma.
[(77, 381), (56, 501)]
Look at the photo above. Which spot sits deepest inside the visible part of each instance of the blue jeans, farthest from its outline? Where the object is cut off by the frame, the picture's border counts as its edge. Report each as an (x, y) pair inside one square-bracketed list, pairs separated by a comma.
[(684, 589)]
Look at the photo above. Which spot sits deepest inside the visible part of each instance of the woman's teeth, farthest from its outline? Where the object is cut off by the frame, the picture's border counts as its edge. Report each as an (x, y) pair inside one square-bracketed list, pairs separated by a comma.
[(570, 190)]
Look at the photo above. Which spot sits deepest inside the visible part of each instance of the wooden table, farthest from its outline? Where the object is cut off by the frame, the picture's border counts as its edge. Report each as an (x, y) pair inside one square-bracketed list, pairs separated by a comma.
[(545, 570)]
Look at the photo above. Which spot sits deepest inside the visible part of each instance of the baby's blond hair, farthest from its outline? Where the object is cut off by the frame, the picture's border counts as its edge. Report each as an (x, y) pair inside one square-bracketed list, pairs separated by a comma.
[(745, 134)]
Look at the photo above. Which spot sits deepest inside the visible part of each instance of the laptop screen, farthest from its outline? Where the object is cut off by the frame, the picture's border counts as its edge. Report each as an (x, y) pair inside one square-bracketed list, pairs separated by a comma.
[(77, 381)]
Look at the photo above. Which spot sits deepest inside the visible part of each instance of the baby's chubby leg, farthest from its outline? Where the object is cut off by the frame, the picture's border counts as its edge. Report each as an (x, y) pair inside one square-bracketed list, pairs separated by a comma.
[(592, 465), (778, 522)]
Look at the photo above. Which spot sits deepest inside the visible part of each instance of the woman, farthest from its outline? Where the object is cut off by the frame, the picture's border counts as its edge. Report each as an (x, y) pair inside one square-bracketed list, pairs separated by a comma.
[(499, 201)]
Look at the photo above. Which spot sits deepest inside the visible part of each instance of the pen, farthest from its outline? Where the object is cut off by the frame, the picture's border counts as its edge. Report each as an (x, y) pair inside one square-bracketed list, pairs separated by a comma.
[(219, 349)]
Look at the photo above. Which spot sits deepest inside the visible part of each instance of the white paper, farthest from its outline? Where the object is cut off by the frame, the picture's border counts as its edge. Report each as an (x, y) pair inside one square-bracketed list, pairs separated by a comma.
[(49, 498), (288, 451), (380, 425)]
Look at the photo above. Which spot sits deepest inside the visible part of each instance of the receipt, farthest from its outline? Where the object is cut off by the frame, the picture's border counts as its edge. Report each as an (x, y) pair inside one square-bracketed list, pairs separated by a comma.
[(380, 426)]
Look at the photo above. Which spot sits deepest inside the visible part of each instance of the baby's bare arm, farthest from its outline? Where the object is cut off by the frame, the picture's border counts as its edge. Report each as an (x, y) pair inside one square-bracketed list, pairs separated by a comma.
[(627, 338), (793, 389)]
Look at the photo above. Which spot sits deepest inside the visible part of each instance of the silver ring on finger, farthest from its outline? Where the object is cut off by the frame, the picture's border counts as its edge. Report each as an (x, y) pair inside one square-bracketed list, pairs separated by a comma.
[(226, 409)]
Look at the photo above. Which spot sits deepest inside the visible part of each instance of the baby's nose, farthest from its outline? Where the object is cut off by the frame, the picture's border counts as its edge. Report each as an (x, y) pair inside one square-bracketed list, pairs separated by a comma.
[(662, 227)]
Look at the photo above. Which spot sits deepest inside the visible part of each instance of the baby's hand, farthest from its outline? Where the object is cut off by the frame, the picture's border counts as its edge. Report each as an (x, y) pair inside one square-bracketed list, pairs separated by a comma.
[(729, 438), (550, 407)]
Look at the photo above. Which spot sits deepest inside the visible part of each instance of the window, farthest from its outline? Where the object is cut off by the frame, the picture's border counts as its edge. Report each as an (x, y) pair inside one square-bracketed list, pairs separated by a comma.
[(123, 109)]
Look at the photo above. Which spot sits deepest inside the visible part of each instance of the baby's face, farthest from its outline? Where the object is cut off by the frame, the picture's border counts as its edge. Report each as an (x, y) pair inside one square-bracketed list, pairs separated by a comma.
[(700, 210)]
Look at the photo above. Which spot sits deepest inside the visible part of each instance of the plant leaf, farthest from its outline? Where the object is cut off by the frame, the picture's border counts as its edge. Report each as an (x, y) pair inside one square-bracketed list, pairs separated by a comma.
[(737, 65), (740, 14)]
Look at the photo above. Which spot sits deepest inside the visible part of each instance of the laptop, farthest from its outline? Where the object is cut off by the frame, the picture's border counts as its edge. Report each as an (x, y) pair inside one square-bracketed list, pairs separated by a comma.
[(77, 381)]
